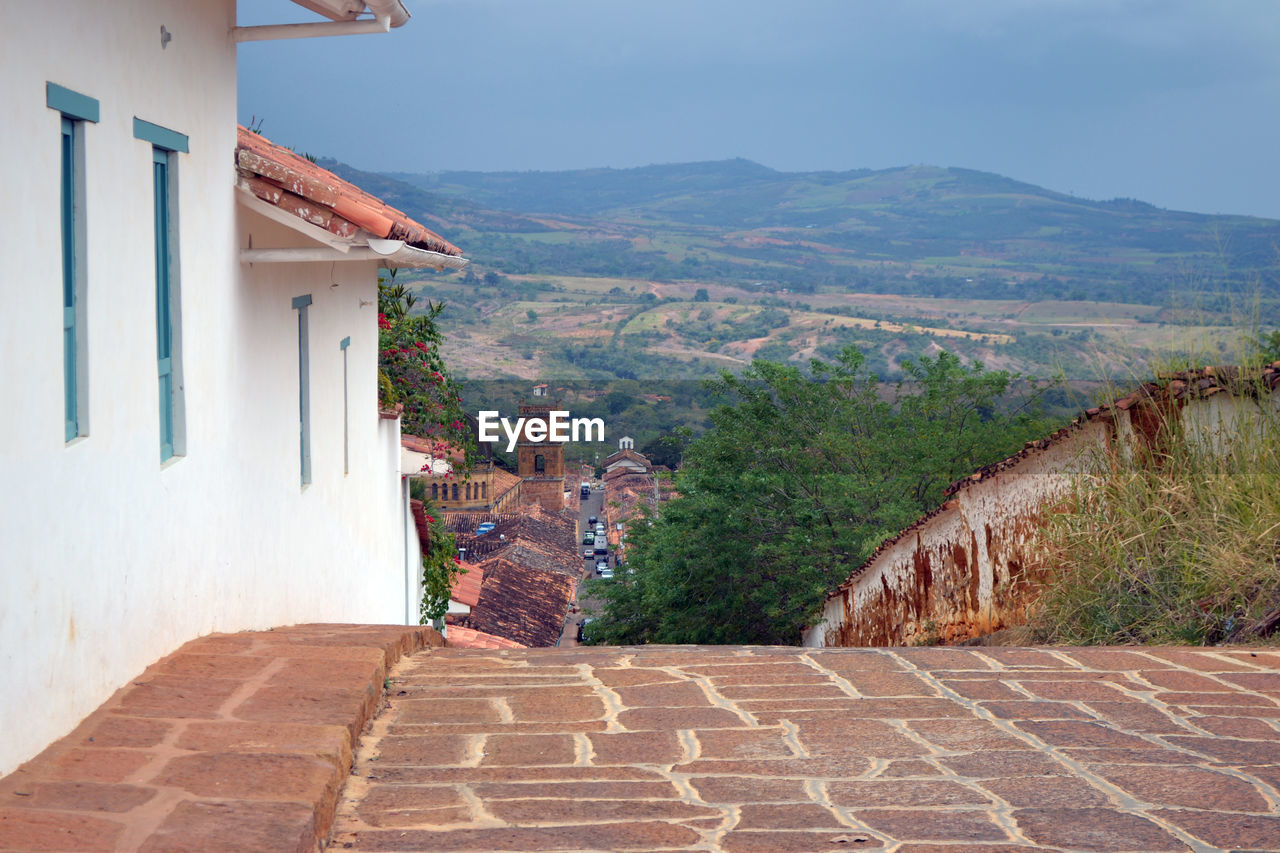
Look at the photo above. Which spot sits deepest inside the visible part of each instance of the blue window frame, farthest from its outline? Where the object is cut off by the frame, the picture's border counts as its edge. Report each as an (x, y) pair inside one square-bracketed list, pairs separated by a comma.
[(301, 304), (164, 299), (76, 109), (165, 144), (346, 418)]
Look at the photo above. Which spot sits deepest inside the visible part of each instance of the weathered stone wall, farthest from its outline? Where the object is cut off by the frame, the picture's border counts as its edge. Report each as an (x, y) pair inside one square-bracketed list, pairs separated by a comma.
[(961, 571)]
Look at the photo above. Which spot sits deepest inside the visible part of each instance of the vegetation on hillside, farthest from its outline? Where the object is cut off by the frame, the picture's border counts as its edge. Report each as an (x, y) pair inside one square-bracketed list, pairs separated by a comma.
[(799, 478), (920, 230)]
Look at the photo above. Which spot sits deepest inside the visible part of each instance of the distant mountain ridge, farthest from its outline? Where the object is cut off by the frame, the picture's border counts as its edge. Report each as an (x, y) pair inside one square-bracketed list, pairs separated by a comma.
[(739, 221)]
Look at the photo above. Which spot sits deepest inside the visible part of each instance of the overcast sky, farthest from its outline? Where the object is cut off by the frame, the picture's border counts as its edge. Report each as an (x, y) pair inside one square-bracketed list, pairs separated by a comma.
[(1175, 102)]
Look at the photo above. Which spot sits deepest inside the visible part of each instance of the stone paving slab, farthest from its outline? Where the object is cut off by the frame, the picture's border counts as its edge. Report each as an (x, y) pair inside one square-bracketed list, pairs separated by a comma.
[(782, 749), (235, 742)]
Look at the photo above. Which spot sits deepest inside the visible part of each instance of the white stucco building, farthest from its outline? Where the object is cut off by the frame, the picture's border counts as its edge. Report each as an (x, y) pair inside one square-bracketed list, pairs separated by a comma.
[(190, 440)]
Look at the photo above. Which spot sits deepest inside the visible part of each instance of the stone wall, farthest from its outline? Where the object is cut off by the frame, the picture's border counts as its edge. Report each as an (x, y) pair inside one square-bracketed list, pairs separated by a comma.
[(962, 571)]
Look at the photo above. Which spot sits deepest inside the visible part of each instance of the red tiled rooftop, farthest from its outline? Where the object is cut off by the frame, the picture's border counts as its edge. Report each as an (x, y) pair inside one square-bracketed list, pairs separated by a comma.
[(293, 183), (461, 637), (465, 588)]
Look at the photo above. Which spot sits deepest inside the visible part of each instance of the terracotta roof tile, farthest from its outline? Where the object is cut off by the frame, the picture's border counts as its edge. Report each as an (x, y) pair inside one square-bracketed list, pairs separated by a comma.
[(465, 588), (630, 455), (281, 178), (503, 482), (520, 603), (462, 637)]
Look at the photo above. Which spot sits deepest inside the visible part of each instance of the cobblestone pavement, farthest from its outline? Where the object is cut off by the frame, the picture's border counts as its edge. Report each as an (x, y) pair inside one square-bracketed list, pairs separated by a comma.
[(784, 749), (244, 742)]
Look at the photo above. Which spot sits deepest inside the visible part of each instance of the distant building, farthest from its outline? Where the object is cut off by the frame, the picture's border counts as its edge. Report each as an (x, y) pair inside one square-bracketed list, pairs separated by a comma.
[(486, 488), (626, 443), (540, 464), (627, 461)]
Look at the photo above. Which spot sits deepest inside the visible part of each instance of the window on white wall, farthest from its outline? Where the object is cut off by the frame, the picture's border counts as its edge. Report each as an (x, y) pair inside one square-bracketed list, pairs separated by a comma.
[(76, 110), (165, 146), (346, 420), (301, 304)]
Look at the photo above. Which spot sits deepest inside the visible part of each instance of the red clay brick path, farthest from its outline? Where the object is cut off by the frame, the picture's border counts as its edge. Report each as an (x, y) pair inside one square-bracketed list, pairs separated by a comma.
[(234, 742), (243, 742), (782, 749)]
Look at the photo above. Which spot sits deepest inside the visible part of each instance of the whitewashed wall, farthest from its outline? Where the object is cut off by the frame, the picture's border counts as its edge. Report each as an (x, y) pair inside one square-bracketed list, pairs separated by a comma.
[(109, 559)]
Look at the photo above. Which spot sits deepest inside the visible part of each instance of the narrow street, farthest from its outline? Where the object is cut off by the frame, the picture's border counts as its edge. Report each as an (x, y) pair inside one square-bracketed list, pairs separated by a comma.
[(592, 506)]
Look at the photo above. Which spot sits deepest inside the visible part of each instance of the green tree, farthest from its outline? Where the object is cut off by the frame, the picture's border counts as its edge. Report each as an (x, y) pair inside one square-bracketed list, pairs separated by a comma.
[(798, 480), (701, 295)]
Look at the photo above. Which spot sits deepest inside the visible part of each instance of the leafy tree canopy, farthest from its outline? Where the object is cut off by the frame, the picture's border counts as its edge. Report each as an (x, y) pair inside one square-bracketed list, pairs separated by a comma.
[(796, 483)]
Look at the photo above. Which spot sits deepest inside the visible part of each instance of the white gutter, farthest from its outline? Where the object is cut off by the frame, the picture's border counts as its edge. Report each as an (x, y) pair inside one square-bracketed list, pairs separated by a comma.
[(393, 254), (317, 29)]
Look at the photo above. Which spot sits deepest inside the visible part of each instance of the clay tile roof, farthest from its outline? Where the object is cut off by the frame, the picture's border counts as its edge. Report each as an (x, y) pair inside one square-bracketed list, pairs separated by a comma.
[(546, 541), (503, 482), (520, 603), (462, 637), (438, 449), (295, 184), (628, 454), (465, 588)]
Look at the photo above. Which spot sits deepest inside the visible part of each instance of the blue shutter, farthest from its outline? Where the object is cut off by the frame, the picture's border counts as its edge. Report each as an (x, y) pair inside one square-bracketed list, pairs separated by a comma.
[(300, 304), (69, 365), (164, 305)]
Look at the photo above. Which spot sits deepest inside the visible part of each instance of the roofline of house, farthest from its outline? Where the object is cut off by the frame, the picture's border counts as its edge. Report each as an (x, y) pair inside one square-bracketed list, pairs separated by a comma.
[(344, 20), (392, 254)]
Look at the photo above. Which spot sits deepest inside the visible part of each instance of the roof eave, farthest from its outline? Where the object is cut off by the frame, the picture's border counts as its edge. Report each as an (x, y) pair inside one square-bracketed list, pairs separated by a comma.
[(349, 10), (391, 254)]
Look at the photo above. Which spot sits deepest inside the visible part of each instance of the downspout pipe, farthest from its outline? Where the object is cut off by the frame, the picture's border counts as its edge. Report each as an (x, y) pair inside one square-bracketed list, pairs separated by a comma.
[(393, 10)]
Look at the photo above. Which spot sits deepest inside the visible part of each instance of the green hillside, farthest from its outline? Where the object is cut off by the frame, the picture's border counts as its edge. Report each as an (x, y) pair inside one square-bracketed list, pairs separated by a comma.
[(918, 230), (677, 272)]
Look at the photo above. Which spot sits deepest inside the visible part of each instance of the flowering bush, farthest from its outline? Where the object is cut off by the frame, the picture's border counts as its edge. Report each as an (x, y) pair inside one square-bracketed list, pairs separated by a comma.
[(412, 374), (440, 565)]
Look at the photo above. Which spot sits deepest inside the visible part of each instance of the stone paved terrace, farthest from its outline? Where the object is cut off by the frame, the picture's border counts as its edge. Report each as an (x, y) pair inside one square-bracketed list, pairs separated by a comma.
[(243, 742)]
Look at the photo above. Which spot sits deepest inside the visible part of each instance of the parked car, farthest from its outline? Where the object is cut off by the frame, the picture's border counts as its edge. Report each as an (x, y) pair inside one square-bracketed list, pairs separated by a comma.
[(607, 574), (602, 566), (486, 527), (588, 538), (588, 553)]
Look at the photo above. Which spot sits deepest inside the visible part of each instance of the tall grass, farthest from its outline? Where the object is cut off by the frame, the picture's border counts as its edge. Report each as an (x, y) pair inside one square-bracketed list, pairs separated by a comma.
[(1175, 541)]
